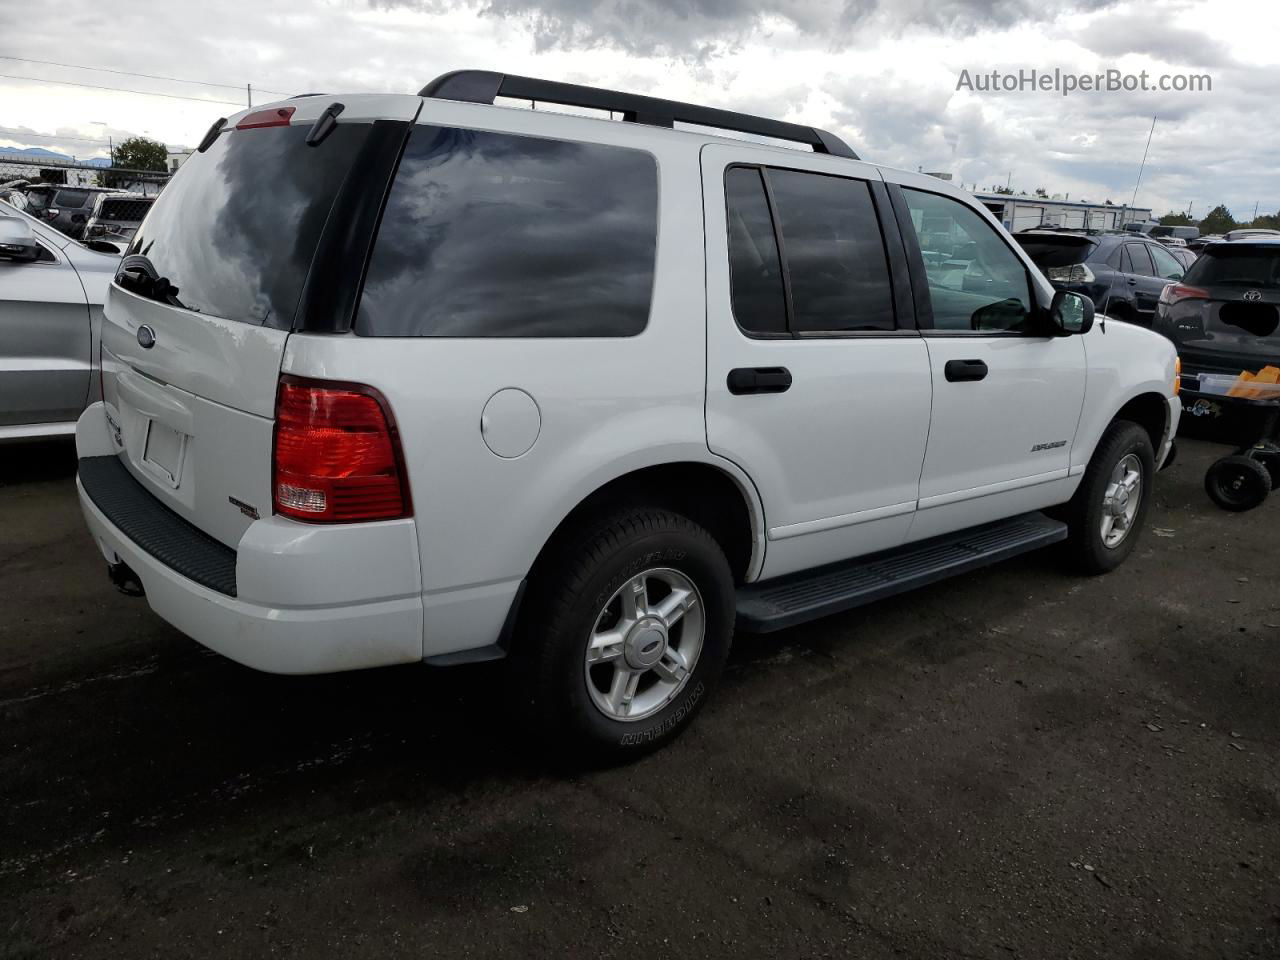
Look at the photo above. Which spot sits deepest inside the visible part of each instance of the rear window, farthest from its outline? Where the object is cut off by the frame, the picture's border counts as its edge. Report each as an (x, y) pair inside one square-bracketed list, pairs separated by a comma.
[(1048, 252), (236, 229), (70, 198), (124, 210), (494, 235), (1245, 266)]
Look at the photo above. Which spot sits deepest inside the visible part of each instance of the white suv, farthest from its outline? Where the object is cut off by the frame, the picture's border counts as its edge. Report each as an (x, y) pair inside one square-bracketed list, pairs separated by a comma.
[(390, 379)]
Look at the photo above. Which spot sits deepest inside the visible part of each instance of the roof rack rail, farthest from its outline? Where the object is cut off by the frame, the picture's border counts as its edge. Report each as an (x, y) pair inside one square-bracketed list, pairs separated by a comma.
[(484, 86)]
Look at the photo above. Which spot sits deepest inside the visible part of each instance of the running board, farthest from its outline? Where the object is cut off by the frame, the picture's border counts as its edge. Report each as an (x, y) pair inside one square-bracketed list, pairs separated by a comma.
[(797, 598)]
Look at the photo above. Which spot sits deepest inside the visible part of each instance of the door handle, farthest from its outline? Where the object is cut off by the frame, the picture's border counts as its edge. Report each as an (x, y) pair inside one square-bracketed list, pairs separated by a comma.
[(1133, 282), (958, 371), (758, 380)]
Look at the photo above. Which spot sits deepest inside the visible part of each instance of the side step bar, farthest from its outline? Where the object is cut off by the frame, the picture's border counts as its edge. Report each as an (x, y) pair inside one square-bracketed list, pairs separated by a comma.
[(797, 598)]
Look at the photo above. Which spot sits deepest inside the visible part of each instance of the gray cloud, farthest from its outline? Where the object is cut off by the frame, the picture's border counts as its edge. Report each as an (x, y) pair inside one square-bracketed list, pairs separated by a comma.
[(1117, 34), (697, 29)]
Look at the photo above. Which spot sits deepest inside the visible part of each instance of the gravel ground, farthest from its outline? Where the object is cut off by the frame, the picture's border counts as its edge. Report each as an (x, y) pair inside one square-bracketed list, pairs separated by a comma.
[(1017, 763)]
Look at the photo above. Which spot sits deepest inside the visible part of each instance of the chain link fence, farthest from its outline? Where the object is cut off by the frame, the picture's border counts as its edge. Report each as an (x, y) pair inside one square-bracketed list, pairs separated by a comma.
[(47, 187)]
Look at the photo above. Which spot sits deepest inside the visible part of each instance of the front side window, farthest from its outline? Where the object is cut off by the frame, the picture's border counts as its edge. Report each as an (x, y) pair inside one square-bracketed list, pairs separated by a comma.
[(495, 235), (975, 281), (834, 275)]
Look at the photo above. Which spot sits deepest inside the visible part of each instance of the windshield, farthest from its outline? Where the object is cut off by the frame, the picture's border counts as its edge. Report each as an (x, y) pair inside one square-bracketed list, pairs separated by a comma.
[(1244, 266), (233, 234)]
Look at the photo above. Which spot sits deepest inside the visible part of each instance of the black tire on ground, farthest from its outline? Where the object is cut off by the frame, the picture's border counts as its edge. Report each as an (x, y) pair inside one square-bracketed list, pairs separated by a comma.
[(1083, 515), (566, 595), (1237, 483)]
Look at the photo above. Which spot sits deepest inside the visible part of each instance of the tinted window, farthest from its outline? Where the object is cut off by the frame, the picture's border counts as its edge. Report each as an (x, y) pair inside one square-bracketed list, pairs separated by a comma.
[(1167, 266), (1243, 266), (975, 281), (236, 228), (1140, 260), (70, 198), (123, 209), (494, 235), (835, 257), (759, 302)]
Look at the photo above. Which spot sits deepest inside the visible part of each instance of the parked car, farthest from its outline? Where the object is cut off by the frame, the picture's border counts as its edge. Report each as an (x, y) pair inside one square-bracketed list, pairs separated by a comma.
[(605, 389), (1184, 255), (51, 293), (1242, 233), (1199, 243), (1223, 317), (64, 208), (1167, 233), (1122, 274), (115, 217)]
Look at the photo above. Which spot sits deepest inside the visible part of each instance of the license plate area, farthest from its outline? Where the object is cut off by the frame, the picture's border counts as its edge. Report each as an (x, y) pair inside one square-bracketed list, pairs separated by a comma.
[(163, 451)]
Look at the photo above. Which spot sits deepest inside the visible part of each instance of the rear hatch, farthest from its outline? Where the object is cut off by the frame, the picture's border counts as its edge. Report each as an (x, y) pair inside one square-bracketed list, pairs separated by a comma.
[(1057, 253), (214, 281), (1225, 314), (118, 217)]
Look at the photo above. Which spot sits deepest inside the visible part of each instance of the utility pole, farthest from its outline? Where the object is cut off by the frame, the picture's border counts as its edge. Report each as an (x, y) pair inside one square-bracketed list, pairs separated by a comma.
[(248, 90), (1009, 181), (1255, 209), (1134, 201)]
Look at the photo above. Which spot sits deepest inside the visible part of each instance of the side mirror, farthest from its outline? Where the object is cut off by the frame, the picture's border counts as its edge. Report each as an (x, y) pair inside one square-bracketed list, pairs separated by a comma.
[(17, 240), (1070, 313)]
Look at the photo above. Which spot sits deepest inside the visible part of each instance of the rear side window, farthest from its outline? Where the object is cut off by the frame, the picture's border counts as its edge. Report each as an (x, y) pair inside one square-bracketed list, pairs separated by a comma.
[(835, 276), (1140, 260), (495, 235), (1167, 266), (759, 299), (1227, 266), (126, 210), (236, 228)]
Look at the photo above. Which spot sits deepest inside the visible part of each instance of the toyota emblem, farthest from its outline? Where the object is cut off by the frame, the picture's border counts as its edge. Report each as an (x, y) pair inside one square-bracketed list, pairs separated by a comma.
[(1252, 295), (146, 337)]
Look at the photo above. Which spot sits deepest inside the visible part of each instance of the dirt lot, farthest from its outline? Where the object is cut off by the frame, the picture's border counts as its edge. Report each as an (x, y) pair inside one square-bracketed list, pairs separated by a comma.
[(1018, 763)]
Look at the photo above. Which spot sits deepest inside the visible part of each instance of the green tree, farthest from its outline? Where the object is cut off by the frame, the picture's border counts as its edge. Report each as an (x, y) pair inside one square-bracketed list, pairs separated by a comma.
[(1219, 220), (1270, 221), (1176, 220), (139, 153)]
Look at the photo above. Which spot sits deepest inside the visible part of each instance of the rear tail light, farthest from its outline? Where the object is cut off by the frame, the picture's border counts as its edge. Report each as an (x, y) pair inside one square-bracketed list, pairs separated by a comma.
[(1180, 291), (1076, 273), (337, 456)]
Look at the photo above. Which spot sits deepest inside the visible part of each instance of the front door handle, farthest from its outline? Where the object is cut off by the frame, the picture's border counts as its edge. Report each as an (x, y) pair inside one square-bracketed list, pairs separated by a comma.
[(958, 371), (758, 380)]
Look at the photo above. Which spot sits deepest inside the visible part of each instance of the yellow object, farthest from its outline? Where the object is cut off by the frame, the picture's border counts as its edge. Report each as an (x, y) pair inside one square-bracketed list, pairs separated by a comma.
[(1245, 383), (1177, 375)]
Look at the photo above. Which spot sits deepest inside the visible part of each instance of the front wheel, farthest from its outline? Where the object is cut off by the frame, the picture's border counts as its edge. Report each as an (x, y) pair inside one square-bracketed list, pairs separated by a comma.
[(1109, 509), (627, 631)]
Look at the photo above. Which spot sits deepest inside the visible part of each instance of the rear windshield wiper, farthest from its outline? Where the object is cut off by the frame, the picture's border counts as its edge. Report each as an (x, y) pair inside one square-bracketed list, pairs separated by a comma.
[(137, 274)]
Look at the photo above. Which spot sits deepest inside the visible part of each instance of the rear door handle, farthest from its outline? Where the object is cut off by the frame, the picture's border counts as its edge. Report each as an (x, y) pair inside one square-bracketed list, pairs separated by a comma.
[(758, 380), (958, 371)]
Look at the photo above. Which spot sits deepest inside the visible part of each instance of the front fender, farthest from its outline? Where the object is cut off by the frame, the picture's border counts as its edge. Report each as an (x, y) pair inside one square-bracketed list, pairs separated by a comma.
[(1123, 362)]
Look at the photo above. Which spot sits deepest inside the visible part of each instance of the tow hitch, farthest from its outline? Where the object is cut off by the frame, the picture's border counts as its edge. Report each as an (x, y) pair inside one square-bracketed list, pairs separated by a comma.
[(125, 579)]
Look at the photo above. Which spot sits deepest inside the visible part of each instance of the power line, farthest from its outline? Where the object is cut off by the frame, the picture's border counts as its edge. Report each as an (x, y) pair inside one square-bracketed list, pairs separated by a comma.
[(141, 93), (148, 76), (21, 134)]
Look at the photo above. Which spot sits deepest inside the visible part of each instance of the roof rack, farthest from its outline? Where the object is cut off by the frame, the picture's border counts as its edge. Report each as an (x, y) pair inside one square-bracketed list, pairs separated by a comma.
[(484, 86)]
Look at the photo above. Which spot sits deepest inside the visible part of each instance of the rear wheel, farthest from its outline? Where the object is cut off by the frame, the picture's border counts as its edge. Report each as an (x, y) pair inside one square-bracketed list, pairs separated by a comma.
[(1109, 509), (1237, 483), (627, 631)]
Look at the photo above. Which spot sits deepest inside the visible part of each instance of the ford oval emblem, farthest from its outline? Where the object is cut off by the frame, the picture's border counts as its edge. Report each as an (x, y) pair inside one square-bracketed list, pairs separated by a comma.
[(146, 337)]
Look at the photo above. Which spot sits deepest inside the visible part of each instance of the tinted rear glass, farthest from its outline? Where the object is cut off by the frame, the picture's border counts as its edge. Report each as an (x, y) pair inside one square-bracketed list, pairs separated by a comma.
[(1244, 266), (124, 210), (759, 299), (70, 198), (494, 235), (1057, 251), (236, 228)]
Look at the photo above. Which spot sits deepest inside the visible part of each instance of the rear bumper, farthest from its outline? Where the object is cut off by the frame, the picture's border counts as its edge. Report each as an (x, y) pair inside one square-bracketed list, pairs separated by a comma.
[(307, 598)]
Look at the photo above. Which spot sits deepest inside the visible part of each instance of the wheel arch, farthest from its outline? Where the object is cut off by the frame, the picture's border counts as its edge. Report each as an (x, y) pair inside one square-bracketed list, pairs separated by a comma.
[(1150, 411), (716, 495)]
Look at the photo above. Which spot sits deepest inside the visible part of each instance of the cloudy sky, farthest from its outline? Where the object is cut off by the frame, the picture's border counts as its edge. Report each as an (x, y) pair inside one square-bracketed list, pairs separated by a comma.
[(883, 74)]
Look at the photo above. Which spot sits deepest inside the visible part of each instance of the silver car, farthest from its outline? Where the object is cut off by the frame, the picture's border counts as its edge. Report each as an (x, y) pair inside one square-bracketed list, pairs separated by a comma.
[(51, 293), (115, 217)]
